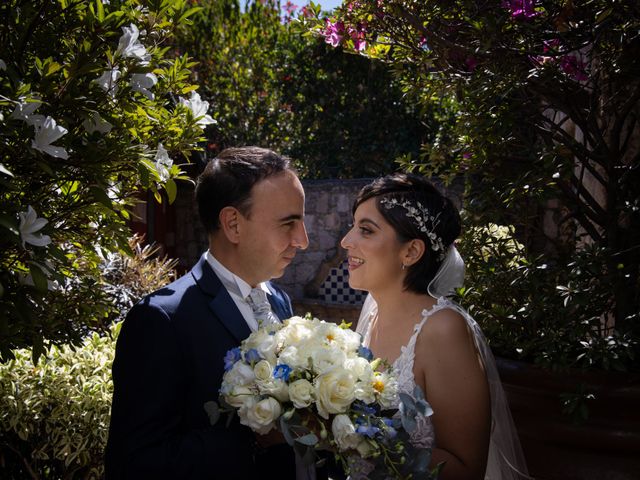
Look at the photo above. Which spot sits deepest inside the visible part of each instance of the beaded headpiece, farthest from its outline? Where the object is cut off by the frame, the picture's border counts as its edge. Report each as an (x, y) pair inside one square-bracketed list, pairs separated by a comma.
[(425, 222)]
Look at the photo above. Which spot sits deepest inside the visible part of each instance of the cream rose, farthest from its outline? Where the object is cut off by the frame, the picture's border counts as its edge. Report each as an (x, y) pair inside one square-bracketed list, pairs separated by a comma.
[(335, 391), (301, 393), (238, 395), (327, 358), (344, 433), (263, 371), (240, 374), (260, 416)]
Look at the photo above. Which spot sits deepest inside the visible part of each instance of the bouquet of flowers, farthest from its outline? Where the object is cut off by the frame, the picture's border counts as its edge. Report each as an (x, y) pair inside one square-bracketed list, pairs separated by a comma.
[(317, 384)]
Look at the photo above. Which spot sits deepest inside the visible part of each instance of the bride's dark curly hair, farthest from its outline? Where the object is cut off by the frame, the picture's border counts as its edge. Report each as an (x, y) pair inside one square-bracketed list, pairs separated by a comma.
[(414, 189)]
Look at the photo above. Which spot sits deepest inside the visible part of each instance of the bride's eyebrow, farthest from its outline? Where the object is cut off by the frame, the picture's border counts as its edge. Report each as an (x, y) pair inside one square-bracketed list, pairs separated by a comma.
[(369, 221)]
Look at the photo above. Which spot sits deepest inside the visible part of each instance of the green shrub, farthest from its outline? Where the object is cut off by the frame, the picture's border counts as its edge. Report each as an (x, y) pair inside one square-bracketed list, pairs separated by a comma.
[(54, 413), (90, 114)]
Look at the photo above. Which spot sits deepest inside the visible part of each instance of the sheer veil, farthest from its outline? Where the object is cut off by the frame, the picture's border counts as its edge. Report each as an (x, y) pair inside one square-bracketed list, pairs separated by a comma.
[(505, 460)]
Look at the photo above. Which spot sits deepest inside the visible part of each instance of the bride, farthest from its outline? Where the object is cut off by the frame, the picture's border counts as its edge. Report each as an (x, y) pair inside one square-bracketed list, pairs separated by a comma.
[(400, 249)]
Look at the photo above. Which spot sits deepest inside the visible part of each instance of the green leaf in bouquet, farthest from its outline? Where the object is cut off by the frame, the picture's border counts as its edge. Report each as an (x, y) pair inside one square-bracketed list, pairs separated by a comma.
[(310, 439), (213, 411)]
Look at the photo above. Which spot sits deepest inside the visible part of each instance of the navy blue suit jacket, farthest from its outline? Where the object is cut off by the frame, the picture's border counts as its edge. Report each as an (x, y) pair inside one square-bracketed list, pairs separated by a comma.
[(168, 363)]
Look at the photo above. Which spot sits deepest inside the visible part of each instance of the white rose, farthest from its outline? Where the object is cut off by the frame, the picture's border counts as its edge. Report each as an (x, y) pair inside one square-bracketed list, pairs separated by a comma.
[(326, 358), (263, 342), (238, 396), (351, 339), (260, 416), (277, 388), (290, 356), (240, 374), (263, 371), (301, 393), (335, 391), (295, 331), (360, 367), (344, 433)]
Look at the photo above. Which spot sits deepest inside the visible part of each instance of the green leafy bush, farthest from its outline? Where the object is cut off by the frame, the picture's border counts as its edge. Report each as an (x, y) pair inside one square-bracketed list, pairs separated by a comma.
[(54, 412), (92, 111), (336, 114), (539, 102)]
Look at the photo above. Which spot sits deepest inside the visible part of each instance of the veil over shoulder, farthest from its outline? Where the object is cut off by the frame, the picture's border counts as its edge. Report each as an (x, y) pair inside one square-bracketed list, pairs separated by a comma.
[(505, 459)]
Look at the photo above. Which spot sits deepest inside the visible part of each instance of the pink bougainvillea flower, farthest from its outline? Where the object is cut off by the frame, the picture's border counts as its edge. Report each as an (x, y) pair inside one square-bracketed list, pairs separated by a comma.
[(471, 63), (290, 7), (574, 67), (521, 9), (333, 32), (357, 35)]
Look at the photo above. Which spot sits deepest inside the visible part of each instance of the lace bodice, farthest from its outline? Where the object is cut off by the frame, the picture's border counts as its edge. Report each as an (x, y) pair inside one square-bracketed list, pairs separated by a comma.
[(403, 366)]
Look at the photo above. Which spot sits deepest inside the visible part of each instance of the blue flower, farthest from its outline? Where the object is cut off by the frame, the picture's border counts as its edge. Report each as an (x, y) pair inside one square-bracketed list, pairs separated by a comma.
[(367, 430), (231, 357), (252, 356), (365, 353), (363, 408), (282, 371)]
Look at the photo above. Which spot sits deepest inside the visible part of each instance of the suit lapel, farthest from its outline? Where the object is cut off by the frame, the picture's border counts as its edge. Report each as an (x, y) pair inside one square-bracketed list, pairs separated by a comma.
[(221, 304), (277, 305)]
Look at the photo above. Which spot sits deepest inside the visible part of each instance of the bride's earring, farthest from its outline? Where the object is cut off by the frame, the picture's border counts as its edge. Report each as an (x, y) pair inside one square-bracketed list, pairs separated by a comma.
[(403, 266)]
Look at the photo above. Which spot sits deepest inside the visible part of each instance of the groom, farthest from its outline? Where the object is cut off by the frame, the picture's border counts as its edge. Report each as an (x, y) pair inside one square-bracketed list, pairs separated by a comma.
[(170, 351)]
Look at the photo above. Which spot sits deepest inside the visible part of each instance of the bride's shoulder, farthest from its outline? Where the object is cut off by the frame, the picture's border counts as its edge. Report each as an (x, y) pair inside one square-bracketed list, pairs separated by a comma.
[(445, 325)]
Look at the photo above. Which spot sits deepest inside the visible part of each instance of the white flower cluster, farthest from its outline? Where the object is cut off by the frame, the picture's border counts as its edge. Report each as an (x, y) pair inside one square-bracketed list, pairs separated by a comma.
[(311, 365)]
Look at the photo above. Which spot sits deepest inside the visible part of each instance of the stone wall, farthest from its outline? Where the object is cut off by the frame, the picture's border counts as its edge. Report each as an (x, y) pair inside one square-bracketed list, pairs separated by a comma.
[(327, 218)]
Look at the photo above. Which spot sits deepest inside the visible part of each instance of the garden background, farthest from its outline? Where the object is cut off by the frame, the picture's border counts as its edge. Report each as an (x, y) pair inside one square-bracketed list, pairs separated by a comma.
[(526, 110)]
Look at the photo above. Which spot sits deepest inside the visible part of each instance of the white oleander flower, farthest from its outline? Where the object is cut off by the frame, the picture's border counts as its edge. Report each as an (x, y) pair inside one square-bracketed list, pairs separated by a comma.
[(47, 133), (199, 109), (130, 47), (335, 391), (344, 432), (260, 415), (142, 82), (95, 123), (30, 224), (301, 393), (25, 111), (163, 163), (108, 81)]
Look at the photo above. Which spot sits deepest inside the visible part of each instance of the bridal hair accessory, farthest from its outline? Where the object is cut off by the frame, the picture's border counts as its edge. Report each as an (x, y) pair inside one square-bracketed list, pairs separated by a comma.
[(425, 222)]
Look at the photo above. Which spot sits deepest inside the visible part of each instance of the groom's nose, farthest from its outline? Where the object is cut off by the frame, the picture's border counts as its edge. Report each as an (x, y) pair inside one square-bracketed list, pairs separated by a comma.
[(300, 239)]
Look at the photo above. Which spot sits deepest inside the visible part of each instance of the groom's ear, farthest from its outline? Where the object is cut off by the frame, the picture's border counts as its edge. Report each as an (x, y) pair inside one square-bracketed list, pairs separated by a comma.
[(229, 223), (413, 251)]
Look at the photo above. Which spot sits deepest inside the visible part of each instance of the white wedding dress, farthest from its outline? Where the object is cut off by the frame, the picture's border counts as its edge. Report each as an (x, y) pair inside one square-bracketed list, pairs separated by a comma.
[(506, 460)]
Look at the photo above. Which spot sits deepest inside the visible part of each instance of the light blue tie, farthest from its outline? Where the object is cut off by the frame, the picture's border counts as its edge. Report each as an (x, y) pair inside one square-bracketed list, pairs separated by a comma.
[(261, 307)]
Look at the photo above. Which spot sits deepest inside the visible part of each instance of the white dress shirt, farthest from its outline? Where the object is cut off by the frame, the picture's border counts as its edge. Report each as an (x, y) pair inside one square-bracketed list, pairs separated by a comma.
[(238, 289)]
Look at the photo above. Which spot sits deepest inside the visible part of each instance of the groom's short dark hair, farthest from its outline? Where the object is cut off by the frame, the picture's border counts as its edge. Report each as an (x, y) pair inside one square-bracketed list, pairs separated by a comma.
[(227, 181)]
